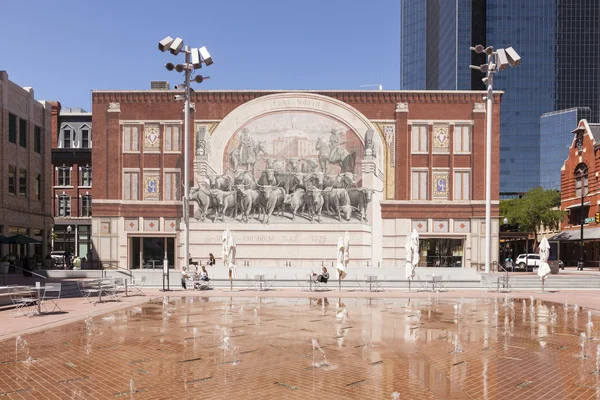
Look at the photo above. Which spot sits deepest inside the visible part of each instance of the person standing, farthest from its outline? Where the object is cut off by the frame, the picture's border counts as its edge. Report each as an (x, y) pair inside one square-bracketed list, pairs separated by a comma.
[(184, 277), (211, 259)]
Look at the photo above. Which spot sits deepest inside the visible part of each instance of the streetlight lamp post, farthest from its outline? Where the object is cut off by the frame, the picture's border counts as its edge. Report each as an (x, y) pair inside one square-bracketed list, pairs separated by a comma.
[(496, 61), (194, 58), (68, 249)]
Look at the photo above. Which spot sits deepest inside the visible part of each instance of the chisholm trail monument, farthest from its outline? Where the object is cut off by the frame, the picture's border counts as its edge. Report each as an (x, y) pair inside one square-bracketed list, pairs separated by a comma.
[(287, 173)]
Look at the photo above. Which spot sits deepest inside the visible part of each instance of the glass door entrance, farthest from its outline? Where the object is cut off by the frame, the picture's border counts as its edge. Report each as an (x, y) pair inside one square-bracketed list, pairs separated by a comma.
[(149, 252)]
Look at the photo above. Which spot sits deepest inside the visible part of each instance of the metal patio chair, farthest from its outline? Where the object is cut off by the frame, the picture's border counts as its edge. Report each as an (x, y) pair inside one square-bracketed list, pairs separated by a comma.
[(52, 294), (303, 284), (269, 283), (137, 286), (424, 284), (22, 300), (88, 289), (488, 284)]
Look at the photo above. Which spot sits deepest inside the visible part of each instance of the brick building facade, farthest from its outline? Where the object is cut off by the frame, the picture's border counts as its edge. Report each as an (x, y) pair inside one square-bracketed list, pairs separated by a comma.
[(580, 183), (25, 174), (72, 181), (427, 159)]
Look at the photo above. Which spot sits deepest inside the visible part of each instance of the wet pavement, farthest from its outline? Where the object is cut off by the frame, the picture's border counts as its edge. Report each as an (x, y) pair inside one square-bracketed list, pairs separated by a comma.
[(306, 348)]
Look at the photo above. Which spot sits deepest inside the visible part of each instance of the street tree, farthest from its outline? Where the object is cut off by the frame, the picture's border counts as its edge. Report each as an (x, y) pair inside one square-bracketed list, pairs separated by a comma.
[(535, 209)]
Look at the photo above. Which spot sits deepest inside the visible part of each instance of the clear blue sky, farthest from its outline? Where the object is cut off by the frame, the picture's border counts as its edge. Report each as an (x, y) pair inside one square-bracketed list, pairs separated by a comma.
[(66, 48)]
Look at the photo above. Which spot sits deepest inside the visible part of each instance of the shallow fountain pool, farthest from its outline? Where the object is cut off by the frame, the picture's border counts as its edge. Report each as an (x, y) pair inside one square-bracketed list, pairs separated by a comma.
[(312, 348)]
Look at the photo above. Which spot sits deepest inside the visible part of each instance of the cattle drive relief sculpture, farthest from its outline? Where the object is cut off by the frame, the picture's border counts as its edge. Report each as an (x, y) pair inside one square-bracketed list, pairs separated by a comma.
[(288, 166)]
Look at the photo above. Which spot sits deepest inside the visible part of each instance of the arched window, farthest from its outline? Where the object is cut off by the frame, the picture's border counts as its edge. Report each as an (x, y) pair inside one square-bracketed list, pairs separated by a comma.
[(581, 180)]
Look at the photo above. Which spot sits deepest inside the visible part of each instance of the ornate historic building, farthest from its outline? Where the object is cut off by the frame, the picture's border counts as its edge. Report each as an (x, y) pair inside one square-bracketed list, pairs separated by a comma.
[(25, 198), (580, 196), (72, 181), (289, 172)]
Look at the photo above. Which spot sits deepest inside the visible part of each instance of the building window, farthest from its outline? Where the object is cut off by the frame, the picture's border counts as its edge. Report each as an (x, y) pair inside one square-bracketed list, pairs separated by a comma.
[(462, 139), (581, 180), (419, 139), (172, 184), (86, 176), (86, 206), (441, 252), (64, 206), (419, 185), (67, 144), (37, 139), (12, 179), (130, 185), (64, 176), (23, 182), (38, 186), (85, 139), (172, 138), (131, 136), (12, 128), (462, 185), (23, 133)]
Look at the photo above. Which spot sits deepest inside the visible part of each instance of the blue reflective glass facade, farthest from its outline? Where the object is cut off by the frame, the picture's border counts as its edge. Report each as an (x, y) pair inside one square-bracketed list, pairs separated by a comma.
[(558, 40), (529, 89), (412, 42), (555, 141)]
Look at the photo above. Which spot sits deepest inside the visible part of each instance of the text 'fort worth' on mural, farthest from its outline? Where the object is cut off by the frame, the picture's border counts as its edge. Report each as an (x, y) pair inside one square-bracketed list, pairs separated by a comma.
[(287, 166)]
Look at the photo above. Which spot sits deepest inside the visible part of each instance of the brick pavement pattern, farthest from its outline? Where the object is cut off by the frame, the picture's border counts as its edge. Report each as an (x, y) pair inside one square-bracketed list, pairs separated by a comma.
[(261, 347)]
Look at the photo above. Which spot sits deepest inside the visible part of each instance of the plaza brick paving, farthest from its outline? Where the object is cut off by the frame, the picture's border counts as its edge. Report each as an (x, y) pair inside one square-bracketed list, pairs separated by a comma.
[(244, 345)]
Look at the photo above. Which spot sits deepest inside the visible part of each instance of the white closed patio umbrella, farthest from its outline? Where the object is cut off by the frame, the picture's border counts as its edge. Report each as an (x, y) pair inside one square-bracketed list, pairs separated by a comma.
[(228, 254), (544, 269), (343, 257), (411, 247)]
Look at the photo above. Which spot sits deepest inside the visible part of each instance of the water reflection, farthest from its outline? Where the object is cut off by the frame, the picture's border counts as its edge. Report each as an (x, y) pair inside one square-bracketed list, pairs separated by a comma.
[(444, 347)]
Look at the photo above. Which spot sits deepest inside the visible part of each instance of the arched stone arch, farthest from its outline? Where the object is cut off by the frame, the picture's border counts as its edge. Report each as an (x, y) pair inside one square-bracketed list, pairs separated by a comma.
[(288, 102)]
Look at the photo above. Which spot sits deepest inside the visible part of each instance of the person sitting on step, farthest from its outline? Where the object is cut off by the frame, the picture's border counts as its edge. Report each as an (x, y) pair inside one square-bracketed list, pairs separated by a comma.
[(322, 277)]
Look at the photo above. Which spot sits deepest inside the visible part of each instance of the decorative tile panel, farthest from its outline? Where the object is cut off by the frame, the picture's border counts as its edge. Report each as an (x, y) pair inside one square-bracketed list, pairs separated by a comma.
[(389, 132), (440, 185), (462, 226), (151, 137), (152, 225), (170, 225), (441, 139), (441, 226), (151, 186), (132, 224), (419, 224), (104, 227)]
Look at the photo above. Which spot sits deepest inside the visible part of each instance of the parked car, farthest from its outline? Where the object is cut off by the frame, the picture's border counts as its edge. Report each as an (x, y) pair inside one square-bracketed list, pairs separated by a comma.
[(528, 261)]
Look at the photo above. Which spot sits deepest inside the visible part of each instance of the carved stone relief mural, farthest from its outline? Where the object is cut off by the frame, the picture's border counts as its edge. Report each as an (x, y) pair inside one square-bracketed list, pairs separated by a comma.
[(287, 166)]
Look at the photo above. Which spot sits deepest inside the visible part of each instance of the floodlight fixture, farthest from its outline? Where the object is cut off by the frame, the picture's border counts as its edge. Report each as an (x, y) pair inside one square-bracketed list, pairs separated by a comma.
[(176, 46), (489, 50), (196, 60), (179, 68), (501, 59), (205, 56), (513, 58), (170, 66), (165, 44)]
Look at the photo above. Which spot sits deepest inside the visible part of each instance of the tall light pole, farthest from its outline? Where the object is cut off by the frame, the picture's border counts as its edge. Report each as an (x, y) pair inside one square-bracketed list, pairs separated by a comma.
[(496, 61), (194, 58)]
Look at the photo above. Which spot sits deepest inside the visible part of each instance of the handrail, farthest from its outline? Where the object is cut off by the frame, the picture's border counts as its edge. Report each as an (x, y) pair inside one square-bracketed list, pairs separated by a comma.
[(120, 270), (26, 270)]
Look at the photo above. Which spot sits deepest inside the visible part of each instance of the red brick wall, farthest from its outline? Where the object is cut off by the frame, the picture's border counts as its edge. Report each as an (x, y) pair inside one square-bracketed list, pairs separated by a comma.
[(591, 158), (147, 105)]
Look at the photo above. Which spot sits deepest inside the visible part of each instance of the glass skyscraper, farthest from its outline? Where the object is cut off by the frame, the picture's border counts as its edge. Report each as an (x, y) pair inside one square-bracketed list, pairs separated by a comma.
[(556, 138), (558, 41)]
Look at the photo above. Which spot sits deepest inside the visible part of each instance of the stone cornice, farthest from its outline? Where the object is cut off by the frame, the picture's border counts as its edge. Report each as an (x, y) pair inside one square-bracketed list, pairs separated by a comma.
[(242, 96)]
